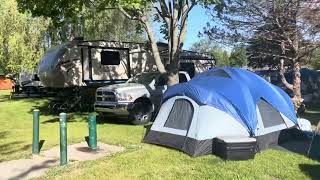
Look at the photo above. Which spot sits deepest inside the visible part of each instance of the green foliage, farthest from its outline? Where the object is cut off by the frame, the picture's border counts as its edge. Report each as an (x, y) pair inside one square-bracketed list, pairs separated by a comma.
[(61, 10), (207, 46), (315, 60), (21, 38), (57, 10), (238, 57), (111, 25), (89, 19), (222, 57)]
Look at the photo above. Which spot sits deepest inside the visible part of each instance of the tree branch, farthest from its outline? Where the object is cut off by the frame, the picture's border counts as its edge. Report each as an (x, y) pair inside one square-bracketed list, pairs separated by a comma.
[(283, 78), (164, 8), (185, 14), (155, 50), (127, 14), (166, 19)]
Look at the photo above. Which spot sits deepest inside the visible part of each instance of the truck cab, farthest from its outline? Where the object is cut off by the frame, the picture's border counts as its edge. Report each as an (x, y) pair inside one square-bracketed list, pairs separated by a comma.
[(140, 96)]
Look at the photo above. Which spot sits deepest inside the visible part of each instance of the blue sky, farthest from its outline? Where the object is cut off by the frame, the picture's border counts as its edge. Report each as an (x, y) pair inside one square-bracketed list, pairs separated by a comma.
[(196, 21)]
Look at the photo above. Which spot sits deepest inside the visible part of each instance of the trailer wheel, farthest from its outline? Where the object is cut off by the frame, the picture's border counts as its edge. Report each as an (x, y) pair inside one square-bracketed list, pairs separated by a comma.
[(141, 112)]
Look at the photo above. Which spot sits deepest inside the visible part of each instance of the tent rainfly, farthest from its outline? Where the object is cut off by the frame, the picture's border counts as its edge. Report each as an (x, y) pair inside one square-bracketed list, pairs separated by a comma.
[(221, 102)]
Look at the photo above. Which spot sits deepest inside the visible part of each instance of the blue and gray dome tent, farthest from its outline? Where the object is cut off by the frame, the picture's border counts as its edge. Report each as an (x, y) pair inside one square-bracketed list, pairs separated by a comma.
[(221, 102)]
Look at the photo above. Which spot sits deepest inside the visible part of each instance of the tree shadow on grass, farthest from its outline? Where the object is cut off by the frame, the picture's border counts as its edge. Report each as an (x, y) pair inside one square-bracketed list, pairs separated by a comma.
[(296, 146), (12, 147), (46, 164), (4, 134), (112, 118), (42, 106), (4, 98), (293, 140), (109, 118), (8, 146), (71, 118), (313, 171), (312, 114)]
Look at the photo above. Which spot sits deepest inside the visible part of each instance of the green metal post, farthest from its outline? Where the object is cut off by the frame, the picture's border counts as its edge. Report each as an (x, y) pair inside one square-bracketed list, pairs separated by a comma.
[(92, 131), (63, 139), (35, 137)]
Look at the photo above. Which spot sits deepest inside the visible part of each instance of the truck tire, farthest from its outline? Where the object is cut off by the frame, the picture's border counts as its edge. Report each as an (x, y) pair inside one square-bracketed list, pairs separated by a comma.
[(141, 112)]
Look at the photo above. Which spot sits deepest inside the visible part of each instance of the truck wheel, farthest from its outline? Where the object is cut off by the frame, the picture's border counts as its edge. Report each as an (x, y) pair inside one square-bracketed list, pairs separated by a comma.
[(140, 113)]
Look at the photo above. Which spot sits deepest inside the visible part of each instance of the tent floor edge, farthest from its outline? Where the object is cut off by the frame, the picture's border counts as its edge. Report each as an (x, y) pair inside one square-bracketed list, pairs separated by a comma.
[(187, 145)]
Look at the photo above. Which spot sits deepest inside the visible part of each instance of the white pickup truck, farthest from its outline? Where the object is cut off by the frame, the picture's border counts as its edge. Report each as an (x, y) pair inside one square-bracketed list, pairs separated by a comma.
[(140, 96)]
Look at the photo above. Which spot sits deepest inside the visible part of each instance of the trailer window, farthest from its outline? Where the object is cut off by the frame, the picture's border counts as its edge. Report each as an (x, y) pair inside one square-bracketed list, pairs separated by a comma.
[(110, 58)]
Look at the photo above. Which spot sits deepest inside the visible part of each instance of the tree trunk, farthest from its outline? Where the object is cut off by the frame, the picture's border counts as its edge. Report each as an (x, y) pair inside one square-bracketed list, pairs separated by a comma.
[(283, 78), (173, 70), (295, 87), (154, 46), (297, 97), (177, 39), (173, 78)]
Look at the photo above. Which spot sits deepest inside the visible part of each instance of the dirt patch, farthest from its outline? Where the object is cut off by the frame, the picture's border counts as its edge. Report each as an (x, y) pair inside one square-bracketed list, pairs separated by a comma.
[(81, 151), (36, 167)]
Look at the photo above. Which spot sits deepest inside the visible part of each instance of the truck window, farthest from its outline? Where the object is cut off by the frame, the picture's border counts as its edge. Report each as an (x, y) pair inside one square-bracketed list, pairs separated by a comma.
[(110, 58), (188, 67), (182, 78), (144, 78), (162, 80)]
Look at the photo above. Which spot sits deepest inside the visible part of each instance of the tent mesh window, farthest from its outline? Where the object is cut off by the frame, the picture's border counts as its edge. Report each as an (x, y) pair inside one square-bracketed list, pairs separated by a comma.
[(219, 73), (269, 115), (180, 115)]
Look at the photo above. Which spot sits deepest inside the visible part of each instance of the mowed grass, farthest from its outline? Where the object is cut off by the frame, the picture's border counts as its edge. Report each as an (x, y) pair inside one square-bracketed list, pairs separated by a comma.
[(139, 161), (16, 128)]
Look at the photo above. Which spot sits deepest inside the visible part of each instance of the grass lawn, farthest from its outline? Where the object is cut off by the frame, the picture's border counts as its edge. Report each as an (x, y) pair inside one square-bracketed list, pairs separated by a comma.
[(313, 115), (139, 161)]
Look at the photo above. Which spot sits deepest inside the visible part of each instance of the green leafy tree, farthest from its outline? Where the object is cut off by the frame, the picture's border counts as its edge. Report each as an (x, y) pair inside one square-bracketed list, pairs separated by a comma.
[(21, 38), (205, 46), (111, 25), (91, 24), (315, 60), (209, 47), (238, 57), (222, 58)]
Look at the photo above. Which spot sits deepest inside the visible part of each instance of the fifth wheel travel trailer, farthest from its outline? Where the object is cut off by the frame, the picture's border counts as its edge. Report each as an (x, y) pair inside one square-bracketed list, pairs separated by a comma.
[(79, 66), (85, 63)]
